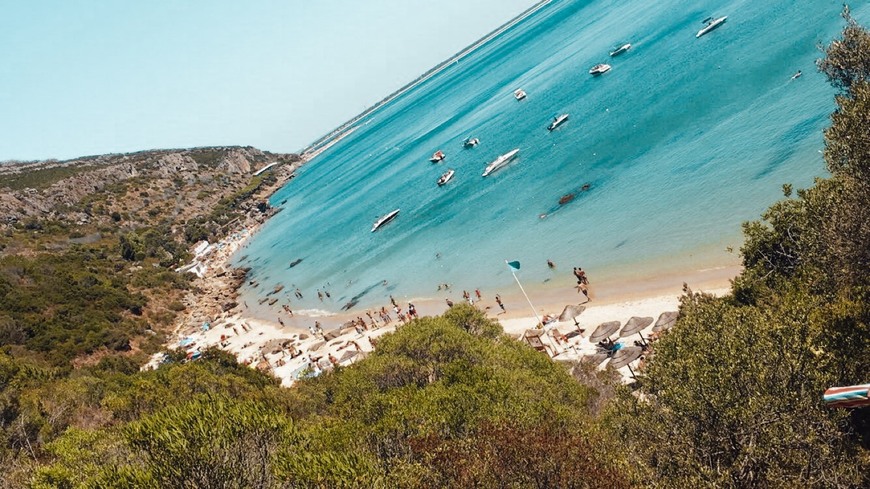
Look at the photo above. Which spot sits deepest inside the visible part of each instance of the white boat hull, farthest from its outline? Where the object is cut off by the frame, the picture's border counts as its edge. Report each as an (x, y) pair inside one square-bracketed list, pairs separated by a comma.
[(387, 218), (500, 162), (599, 69), (711, 26), (558, 122), (620, 50), (446, 177)]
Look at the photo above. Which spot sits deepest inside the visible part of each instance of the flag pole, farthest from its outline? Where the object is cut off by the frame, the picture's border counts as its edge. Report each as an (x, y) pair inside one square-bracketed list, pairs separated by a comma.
[(535, 312)]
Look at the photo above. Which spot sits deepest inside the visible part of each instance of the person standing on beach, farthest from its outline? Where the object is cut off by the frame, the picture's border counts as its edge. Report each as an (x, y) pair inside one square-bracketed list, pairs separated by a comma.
[(582, 288), (412, 311), (477, 293), (500, 304)]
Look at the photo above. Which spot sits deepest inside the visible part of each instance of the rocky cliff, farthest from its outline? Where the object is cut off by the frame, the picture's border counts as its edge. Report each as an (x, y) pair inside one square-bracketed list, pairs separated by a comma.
[(103, 188)]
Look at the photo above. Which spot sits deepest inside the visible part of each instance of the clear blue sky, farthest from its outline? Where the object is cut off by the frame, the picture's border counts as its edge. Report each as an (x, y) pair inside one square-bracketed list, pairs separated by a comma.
[(91, 76)]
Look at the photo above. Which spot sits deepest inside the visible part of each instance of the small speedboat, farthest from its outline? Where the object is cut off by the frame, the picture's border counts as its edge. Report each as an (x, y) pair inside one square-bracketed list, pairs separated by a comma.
[(438, 156), (711, 24), (470, 142), (383, 220), (599, 69), (621, 49), (446, 177), (519, 94), (500, 161), (557, 121)]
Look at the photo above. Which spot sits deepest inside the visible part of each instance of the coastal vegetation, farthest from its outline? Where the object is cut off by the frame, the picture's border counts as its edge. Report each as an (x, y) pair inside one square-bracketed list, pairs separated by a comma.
[(730, 397)]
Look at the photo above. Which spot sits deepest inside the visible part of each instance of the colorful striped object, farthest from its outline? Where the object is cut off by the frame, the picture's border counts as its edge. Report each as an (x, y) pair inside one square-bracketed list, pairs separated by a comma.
[(848, 397)]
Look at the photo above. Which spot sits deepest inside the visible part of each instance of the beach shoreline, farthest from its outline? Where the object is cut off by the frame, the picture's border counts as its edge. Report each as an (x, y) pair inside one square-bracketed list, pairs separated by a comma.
[(290, 344), (289, 347)]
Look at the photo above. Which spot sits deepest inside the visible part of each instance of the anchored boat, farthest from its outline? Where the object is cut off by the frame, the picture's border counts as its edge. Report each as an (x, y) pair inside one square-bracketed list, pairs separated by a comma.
[(500, 161), (711, 24), (385, 219)]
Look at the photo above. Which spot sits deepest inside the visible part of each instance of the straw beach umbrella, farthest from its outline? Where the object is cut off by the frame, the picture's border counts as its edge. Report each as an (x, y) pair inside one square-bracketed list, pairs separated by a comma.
[(624, 356), (635, 325), (604, 330), (571, 312), (666, 321)]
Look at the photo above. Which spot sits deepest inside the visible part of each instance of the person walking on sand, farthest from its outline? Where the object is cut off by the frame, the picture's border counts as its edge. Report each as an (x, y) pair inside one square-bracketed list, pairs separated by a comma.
[(499, 302), (582, 288), (412, 311), (477, 293)]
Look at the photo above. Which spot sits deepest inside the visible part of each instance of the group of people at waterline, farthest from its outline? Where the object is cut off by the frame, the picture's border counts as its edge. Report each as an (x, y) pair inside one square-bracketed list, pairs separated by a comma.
[(382, 317)]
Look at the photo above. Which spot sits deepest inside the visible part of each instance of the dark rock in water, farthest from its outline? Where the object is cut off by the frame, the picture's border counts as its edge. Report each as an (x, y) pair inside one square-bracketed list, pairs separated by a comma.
[(295, 262), (272, 302), (264, 299), (228, 306)]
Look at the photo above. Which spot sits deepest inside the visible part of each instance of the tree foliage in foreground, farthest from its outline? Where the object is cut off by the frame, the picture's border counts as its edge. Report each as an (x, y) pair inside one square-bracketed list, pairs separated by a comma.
[(444, 402), (733, 395)]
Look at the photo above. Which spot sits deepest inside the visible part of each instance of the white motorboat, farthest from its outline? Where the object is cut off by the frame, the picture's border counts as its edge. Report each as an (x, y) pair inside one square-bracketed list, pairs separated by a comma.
[(470, 142), (519, 94), (711, 24), (797, 75), (500, 161), (446, 177), (557, 121), (387, 218), (438, 156), (621, 49), (599, 69)]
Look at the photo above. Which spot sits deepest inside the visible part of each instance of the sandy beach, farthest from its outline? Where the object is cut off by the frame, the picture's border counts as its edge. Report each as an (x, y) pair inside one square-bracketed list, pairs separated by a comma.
[(290, 347)]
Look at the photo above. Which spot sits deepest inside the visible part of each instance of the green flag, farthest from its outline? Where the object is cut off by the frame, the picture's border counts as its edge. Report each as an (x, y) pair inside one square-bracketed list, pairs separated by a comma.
[(514, 265)]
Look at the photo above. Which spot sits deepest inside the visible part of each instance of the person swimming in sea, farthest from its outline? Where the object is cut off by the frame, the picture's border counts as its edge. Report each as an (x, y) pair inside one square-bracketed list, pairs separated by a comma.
[(797, 75)]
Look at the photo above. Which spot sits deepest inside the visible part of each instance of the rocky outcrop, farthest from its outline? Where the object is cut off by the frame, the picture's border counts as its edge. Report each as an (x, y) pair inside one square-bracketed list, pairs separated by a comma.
[(164, 173), (237, 162)]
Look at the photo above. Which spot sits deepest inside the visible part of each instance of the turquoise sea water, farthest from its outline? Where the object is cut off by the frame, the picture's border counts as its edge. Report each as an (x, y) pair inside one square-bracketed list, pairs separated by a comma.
[(680, 142)]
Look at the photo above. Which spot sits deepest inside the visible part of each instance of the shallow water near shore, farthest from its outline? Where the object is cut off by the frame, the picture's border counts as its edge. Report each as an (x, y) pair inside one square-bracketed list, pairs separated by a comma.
[(679, 143)]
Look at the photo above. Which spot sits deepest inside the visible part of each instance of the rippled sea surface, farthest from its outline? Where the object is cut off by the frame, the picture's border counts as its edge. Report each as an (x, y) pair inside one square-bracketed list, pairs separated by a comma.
[(678, 144)]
